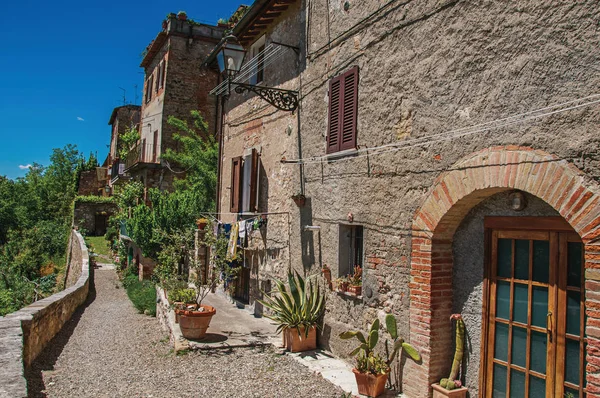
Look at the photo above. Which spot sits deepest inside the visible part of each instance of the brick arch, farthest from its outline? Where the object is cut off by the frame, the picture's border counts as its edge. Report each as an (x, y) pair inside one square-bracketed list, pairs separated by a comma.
[(455, 192)]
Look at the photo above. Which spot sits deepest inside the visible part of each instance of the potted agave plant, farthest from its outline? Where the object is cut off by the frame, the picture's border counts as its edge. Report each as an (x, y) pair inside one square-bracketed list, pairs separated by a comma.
[(296, 311), (372, 370), (451, 387), (355, 282)]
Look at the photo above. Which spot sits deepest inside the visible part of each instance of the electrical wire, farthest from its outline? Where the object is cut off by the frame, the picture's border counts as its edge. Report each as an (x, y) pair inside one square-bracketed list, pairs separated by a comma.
[(453, 134)]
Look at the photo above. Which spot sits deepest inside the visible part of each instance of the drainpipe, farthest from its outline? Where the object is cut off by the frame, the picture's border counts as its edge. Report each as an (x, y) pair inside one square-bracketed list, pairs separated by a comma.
[(220, 109)]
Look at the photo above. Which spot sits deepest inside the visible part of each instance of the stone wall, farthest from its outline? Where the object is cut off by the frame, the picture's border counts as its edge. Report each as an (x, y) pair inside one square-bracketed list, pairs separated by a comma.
[(85, 214), (89, 184), (426, 68), (251, 123), (25, 333)]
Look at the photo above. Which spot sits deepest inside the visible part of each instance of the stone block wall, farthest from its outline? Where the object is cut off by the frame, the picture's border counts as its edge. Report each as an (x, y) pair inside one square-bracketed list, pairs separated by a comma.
[(25, 333), (85, 214)]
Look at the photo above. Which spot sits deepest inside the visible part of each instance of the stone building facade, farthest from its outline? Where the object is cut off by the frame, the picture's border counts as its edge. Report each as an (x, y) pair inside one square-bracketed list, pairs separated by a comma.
[(122, 119), (462, 174), (254, 136), (175, 83)]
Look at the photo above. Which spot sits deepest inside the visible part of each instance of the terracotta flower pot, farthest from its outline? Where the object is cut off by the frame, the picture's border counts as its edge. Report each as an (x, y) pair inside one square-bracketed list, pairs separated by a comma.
[(182, 17), (193, 324), (299, 199), (343, 287), (296, 343), (370, 384), (441, 392), (327, 275), (201, 223), (355, 290)]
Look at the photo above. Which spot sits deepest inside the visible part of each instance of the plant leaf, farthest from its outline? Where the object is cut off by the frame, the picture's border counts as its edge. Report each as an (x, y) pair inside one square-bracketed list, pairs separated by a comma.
[(390, 325), (411, 351)]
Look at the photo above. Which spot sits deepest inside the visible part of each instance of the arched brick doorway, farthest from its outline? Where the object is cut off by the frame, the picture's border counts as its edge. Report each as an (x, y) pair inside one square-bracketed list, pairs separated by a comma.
[(467, 183)]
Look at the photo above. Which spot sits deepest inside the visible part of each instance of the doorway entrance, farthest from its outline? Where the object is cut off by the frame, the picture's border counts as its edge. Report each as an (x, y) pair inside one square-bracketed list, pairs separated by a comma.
[(534, 315)]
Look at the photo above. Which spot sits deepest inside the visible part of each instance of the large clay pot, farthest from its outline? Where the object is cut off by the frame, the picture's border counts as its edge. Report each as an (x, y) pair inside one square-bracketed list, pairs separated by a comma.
[(441, 392), (193, 324), (370, 384), (296, 343)]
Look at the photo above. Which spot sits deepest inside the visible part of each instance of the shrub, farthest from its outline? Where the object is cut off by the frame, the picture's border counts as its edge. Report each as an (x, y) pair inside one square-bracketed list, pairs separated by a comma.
[(142, 295)]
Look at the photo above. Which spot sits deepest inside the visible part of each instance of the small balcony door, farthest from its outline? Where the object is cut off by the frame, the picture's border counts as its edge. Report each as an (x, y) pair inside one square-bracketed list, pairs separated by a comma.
[(536, 315)]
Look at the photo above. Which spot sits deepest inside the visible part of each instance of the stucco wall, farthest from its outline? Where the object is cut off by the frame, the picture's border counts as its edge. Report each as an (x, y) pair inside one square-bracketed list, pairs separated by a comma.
[(25, 333), (468, 250)]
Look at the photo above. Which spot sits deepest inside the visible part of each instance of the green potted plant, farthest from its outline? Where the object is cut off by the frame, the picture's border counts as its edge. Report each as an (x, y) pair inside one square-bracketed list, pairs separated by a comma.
[(450, 387), (181, 15), (341, 284), (355, 282), (296, 311), (195, 319), (201, 223), (372, 370), (182, 300)]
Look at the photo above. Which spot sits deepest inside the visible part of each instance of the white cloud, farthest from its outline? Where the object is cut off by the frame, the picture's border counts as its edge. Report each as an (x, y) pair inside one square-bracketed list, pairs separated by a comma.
[(24, 167), (80, 119)]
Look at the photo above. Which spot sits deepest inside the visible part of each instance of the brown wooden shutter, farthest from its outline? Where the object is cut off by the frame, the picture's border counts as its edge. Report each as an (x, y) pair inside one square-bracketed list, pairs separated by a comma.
[(236, 185), (343, 109), (254, 181), (333, 134), (350, 107)]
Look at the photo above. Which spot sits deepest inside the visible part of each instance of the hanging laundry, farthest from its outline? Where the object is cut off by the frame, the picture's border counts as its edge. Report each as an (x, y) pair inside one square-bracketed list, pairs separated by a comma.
[(242, 229), (232, 245)]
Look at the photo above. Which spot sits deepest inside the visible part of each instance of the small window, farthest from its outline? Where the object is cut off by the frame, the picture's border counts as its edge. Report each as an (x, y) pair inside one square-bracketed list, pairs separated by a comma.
[(244, 183), (258, 59), (149, 86), (343, 108), (351, 249)]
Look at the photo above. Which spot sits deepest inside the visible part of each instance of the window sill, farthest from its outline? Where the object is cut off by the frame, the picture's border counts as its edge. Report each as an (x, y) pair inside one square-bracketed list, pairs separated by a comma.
[(341, 154)]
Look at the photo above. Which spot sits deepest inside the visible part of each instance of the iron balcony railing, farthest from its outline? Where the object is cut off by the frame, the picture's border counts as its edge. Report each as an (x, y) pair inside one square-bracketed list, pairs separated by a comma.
[(142, 153), (117, 169)]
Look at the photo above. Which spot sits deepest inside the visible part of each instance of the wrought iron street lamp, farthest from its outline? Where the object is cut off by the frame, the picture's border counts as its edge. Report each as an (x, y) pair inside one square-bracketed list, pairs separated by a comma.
[(230, 58)]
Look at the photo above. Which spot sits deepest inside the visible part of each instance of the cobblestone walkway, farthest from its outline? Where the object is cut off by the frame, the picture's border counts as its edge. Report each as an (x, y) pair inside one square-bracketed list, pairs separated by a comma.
[(109, 350)]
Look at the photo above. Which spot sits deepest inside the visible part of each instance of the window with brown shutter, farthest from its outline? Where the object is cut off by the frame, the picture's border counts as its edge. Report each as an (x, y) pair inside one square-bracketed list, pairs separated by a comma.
[(236, 185), (343, 109), (254, 182)]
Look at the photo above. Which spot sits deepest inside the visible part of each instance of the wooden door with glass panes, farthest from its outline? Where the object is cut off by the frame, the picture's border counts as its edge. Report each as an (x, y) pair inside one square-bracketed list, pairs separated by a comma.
[(536, 317)]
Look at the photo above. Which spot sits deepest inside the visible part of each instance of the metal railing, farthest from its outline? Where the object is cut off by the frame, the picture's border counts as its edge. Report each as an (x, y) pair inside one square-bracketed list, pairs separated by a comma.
[(142, 153), (117, 169)]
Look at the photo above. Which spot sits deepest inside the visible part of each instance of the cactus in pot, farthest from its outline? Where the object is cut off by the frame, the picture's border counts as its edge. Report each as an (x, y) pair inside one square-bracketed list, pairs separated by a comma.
[(451, 383)]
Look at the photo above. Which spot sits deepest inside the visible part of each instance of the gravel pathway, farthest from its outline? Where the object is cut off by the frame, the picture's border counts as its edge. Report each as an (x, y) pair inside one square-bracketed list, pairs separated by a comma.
[(109, 350)]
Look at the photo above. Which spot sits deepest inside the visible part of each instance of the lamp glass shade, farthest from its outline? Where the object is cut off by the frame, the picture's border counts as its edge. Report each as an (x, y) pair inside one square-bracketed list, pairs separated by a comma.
[(230, 58)]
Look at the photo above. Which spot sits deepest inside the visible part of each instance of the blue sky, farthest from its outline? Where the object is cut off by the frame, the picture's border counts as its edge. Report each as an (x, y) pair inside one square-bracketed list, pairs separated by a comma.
[(61, 66)]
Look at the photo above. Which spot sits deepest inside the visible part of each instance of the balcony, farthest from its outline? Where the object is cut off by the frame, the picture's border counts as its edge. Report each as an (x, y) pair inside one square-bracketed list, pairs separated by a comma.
[(142, 154), (117, 170)]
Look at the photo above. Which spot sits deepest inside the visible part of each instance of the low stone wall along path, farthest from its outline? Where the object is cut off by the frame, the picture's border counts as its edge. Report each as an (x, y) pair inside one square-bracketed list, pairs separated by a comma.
[(109, 350)]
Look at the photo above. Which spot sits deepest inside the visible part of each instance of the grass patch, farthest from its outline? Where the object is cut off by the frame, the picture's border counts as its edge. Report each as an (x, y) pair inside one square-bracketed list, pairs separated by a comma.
[(142, 294), (98, 244)]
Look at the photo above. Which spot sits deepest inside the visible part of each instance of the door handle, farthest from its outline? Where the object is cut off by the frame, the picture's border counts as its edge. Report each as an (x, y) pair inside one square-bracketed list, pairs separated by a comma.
[(549, 325)]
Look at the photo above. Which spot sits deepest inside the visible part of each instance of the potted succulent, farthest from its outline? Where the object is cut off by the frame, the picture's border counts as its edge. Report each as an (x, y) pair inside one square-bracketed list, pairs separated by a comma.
[(195, 319), (450, 387), (296, 311), (355, 282), (181, 15), (372, 370), (342, 284)]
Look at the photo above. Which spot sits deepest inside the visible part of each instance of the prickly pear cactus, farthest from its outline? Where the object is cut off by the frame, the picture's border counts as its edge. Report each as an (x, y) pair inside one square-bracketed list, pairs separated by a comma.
[(451, 383)]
